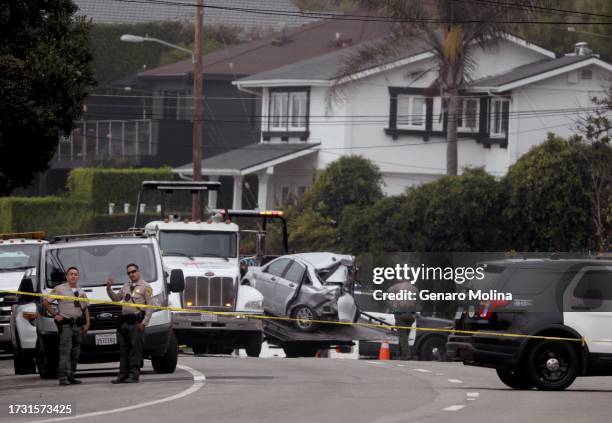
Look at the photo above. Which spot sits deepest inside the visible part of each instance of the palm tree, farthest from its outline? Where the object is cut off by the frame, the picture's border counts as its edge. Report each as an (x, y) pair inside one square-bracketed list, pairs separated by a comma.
[(452, 29)]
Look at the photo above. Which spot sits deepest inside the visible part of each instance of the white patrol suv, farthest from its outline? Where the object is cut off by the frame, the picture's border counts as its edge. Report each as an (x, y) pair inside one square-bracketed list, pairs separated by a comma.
[(98, 256), (19, 257)]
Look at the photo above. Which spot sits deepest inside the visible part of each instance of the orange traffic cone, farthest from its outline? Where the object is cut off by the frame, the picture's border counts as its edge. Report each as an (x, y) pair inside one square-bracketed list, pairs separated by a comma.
[(385, 352)]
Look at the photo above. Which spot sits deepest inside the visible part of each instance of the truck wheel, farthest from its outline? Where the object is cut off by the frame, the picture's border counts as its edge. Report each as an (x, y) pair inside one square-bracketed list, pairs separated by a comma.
[(553, 365), (304, 316), (167, 362), (515, 378), (433, 349), (46, 359), (253, 348), (24, 363)]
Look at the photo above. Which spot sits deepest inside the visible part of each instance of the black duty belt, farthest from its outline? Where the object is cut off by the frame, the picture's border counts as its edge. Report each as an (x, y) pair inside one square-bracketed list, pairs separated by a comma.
[(133, 317), (79, 321)]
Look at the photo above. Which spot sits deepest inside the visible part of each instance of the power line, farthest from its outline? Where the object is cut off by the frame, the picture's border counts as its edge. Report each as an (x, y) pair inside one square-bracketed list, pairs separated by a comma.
[(524, 6), (355, 17)]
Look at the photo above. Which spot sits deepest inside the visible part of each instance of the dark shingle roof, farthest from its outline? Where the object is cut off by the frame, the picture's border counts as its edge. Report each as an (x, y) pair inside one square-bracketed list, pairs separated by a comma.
[(327, 66), (249, 156), (113, 11), (529, 70), (264, 54)]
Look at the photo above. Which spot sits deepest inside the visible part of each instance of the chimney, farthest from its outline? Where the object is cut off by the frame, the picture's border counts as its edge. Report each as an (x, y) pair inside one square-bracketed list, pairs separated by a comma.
[(582, 49)]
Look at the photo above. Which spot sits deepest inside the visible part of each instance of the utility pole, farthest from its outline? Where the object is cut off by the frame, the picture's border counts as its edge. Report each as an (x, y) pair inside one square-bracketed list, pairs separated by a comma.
[(197, 110)]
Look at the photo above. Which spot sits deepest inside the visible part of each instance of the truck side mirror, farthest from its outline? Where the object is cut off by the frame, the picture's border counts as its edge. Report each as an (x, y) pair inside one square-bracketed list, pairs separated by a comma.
[(177, 281), (26, 285)]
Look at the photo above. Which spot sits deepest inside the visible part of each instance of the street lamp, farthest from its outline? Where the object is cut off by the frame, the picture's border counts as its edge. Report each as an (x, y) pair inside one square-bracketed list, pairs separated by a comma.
[(196, 59), (129, 38)]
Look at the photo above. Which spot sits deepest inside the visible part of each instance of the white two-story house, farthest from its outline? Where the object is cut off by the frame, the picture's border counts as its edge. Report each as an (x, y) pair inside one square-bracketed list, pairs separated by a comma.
[(392, 115)]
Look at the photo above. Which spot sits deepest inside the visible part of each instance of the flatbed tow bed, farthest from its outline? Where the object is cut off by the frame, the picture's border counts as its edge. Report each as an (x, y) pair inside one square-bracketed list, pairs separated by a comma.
[(297, 343)]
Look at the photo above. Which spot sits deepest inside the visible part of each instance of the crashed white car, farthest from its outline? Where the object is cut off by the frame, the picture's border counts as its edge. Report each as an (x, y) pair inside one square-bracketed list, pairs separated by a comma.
[(309, 286)]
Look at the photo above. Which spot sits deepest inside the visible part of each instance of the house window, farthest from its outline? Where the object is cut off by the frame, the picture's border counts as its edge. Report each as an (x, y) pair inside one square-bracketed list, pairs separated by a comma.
[(284, 195), (500, 109), (300, 191), (411, 112), (178, 105), (288, 111), (467, 115)]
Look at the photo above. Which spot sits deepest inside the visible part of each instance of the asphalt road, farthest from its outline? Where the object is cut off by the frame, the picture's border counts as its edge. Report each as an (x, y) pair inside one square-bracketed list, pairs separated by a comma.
[(234, 389)]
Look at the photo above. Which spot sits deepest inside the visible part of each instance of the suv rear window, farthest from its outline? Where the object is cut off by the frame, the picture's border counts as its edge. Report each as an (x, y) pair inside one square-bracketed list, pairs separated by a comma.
[(532, 280), (595, 283)]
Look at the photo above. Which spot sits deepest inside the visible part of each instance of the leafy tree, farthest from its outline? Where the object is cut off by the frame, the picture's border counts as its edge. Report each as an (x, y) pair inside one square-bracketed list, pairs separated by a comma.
[(350, 180), (549, 204), (454, 213), (453, 31), (593, 145), (44, 75)]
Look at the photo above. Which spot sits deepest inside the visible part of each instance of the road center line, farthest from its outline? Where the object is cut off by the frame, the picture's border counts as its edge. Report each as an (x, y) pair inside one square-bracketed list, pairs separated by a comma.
[(455, 381), (454, 408), (422, 370), (199, 380)]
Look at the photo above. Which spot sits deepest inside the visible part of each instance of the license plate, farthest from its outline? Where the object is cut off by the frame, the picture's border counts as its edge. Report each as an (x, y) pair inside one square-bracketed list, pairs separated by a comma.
[(106, 339), (205, 317)]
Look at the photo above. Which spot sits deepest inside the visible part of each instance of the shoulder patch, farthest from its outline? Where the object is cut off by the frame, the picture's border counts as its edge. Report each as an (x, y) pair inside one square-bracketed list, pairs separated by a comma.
[(149, 290)]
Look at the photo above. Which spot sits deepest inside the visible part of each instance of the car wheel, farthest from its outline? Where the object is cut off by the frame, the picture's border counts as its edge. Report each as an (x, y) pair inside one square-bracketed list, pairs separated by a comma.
[(433, 349), (23, 363), (515, 378), (304, 316), (553, 365), (46, 359), (167, 362), (253, 348)]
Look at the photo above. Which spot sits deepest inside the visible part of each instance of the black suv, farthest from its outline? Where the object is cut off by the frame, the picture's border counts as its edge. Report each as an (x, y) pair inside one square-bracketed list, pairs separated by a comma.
[(568, 302)]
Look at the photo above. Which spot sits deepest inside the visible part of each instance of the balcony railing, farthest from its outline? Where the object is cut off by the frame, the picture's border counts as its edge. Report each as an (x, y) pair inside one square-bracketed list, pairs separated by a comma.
[(97, 139)]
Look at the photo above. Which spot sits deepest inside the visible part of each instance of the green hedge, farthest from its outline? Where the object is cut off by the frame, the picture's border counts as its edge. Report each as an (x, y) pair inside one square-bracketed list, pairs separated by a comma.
[(55, 215), (119, 186)]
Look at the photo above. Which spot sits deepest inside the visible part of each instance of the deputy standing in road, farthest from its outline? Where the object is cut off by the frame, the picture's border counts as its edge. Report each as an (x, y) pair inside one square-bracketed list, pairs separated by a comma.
[(134, 320), (72, 322), (404, 312)]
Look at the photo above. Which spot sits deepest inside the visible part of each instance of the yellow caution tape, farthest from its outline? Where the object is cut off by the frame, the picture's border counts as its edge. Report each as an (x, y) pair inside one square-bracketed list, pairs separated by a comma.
[(449, 330)]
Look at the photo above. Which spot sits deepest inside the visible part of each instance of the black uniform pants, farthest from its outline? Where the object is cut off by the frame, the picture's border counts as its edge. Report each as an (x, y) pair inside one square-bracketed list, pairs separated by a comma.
[(131, 342), (69, 349), (404, 319)]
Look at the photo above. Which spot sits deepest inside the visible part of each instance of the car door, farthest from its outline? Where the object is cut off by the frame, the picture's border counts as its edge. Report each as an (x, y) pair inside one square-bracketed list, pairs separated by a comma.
[(587, 307), (267, 281), (288, 284)]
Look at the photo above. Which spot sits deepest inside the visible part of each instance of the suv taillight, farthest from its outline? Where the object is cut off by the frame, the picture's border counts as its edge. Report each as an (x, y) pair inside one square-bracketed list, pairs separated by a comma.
[(487, 308)]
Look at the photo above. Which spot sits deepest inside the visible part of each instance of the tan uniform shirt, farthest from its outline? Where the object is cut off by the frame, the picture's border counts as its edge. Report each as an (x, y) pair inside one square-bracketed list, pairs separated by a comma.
[(68, 308), (139, 293)]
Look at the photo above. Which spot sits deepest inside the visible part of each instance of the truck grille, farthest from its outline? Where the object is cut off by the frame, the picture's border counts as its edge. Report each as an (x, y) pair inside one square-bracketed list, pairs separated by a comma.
[(104, 316), (209, 292)]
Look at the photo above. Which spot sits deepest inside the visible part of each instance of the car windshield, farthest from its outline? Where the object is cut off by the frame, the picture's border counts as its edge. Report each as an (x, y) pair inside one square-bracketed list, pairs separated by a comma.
[(15, 256), (198, 244), (97, 262)]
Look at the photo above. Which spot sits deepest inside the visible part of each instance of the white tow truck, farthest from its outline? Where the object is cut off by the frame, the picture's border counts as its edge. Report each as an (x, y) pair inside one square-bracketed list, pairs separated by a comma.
[(208, 253)]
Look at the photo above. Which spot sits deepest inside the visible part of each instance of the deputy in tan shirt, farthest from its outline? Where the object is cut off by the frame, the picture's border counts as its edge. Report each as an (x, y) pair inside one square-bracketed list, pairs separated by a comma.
[(72, 321), (131, 331)]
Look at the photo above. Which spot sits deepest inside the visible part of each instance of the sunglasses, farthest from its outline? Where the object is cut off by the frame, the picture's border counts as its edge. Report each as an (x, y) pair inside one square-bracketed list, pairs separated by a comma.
[(131, 272), (77, 303)]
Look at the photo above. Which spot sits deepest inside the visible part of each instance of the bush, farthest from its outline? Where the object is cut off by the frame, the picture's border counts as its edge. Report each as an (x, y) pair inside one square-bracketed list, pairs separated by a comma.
[(454, 213), (549, 204), (55, 215), (119, 186)]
